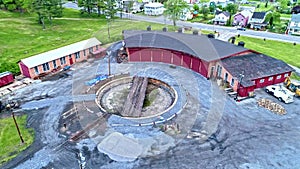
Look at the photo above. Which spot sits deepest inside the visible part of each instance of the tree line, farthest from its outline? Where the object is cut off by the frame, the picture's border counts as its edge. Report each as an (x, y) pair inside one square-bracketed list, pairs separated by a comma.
[(50, 9)]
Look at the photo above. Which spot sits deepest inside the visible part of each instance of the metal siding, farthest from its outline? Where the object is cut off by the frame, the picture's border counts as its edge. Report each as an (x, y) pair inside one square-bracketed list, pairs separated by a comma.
[(134, 56), (176, 58), (156, 55), (146, 55), (195, 64), (204, 67), (186, 61), (167, 57), (9, 78)]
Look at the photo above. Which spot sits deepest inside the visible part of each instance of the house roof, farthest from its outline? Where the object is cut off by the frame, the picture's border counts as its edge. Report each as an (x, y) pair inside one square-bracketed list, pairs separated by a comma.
[(41, 58), (200, 46), (254, 66), (244, 13), (258, 15), (154, 4), (223, 12), (295, 17)]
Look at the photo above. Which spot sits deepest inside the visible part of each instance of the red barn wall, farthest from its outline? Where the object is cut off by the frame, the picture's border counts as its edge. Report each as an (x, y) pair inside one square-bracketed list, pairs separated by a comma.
[(24, 69)]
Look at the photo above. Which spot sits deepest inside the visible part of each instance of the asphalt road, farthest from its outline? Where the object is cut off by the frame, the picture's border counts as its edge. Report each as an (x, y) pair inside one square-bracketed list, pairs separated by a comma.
[(163, 20)]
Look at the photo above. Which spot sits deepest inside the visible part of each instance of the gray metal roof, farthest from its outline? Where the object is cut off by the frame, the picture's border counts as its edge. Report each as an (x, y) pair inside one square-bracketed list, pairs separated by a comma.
[(200, 46), (45, 57), (254, 66)]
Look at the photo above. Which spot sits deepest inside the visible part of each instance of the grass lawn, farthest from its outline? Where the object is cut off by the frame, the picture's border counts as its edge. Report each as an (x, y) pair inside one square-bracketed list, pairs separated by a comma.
[(280, 50), (21, 36), (10, 144)]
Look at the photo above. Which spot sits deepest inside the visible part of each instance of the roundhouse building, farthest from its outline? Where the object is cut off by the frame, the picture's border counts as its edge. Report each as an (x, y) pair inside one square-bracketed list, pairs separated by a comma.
[(206, 55)]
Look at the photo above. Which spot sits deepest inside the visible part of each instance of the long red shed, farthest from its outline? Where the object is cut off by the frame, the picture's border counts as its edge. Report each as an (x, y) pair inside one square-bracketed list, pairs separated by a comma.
[(6, 78)]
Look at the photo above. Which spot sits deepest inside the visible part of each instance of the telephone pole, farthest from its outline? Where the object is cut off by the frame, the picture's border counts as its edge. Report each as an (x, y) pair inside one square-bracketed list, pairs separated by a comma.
[(19, 132)]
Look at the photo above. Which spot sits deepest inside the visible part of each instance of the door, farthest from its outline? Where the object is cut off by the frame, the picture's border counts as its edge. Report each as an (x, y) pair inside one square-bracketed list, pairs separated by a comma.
[(212, 71), (71, 59)]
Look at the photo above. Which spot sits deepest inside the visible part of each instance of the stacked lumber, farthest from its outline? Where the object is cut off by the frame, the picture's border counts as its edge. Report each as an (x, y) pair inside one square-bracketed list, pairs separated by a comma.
[(274, 107), (135, 99)]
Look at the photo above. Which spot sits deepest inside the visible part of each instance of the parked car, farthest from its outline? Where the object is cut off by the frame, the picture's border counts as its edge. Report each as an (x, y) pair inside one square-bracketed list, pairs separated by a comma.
[(281, 93), (240, 28)]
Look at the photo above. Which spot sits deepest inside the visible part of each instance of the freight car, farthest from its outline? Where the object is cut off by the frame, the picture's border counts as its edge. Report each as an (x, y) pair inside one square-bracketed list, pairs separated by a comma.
[(6, 78)]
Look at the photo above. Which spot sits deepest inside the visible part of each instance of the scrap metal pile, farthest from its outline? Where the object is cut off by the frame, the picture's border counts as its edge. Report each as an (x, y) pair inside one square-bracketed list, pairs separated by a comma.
[(274, 107)]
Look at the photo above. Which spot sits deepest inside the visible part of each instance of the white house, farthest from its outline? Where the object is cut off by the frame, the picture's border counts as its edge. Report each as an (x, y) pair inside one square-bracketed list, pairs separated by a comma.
[(154, 9), (186, 14), (221, 17), (294, 25)]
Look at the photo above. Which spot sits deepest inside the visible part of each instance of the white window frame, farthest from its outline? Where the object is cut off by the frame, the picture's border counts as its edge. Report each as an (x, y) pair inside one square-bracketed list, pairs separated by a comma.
[(278, 77), (271, 78), (261, 80), (286, 75), (62, 60)]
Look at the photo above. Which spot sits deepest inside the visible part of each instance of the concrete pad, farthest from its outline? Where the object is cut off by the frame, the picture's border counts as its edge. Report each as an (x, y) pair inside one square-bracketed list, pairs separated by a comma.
[(120, 148)]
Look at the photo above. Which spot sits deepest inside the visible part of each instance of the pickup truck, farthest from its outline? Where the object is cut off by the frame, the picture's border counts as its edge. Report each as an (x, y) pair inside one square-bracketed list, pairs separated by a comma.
[(281, 93)]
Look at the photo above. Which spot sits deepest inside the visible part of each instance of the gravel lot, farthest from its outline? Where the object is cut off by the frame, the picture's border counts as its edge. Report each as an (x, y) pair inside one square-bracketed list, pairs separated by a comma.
[(239, 135)]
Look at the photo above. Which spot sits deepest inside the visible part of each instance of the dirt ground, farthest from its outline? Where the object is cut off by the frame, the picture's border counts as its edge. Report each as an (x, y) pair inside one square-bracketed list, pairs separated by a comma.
[(238, 135)]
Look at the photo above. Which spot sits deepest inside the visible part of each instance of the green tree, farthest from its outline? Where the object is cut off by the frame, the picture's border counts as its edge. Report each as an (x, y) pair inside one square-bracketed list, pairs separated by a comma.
[(100, 6), (272, 18), (196, 7), (87, 5), (174, 9), (232, 9), (204, 11), (283, 4), (110, 9)]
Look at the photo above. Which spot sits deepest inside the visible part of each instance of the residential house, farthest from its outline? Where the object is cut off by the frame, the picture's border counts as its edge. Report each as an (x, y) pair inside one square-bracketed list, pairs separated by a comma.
[(186, 14), (154, 8), (296, 9), (258, 20), (47, 62), (212, 58), (221, 17), (294, 25), (242, 18)]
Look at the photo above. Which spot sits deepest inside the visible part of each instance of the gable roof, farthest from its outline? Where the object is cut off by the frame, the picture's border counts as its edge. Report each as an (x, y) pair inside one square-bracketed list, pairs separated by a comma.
[(244, 13), (295, 17), (199, 46), (258, 15), (254, 66), (227, 14), (42, 58)]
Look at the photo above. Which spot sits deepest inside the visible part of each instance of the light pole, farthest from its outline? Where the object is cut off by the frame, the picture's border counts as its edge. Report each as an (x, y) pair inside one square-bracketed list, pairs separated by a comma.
[(18, 129), (108, 19), (241, 76), (108, 54)]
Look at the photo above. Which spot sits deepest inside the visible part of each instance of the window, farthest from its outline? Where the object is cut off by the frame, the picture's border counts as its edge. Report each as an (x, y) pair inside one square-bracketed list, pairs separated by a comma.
[(262, 80), (91, 49), (278, 77), (84, 53), (46, 67), (77, 55), (270, 78), (96, 47), (225, 77), (232, 82), (286, 75), (36, 70), (62, 60), (54, 63)]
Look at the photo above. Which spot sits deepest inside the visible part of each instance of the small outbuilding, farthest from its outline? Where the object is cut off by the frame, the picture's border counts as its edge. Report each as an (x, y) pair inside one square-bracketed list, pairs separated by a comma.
[(53, 60)]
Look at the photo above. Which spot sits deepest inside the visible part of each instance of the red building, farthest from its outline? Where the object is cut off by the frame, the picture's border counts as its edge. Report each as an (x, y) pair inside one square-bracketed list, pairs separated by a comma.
[(6, 78), (53, 60), (204, 55)]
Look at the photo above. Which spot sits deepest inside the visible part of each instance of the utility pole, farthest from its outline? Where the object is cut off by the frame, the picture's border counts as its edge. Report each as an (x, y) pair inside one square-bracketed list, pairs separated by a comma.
[(13, 115)]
